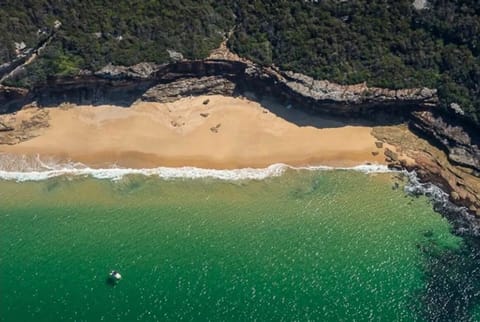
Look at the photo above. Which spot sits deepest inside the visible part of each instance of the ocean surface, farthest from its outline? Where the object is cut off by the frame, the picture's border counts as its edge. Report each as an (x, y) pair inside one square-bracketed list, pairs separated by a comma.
[(303, 245)]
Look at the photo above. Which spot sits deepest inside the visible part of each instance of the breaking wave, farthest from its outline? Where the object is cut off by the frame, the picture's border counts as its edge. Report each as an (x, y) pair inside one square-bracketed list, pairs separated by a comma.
[(34, 169), (464, 223)]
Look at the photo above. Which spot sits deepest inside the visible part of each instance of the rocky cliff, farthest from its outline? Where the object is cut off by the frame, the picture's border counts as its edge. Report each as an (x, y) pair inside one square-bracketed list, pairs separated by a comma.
[(121, 85), (376, 104), (462, 147), (432, 164), (168, 92), (13, 98)]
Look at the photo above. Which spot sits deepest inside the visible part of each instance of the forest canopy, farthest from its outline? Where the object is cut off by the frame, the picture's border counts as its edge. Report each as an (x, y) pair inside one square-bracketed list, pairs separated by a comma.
[(385, 43)]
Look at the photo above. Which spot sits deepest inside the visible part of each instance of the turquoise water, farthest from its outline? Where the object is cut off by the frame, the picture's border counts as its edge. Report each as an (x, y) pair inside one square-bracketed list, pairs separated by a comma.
[(308, 245)]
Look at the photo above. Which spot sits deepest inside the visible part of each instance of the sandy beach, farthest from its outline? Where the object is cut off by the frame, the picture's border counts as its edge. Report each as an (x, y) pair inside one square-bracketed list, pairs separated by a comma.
[(225, 133)]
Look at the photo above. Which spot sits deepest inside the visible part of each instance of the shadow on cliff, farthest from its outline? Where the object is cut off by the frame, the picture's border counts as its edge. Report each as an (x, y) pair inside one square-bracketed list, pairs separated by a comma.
[(122, 94), (302, 116), (94, 91)]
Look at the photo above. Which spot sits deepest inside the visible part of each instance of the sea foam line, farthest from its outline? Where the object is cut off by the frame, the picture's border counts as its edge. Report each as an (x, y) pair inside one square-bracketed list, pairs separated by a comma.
[(464, 223), (273, 170)]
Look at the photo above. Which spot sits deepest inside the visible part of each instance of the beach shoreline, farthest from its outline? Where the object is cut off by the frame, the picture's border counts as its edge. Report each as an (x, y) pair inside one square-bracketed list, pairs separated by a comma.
[(211, 132)]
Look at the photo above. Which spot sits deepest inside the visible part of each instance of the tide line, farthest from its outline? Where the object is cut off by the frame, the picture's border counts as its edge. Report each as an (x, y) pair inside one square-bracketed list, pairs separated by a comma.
[(274, 170)]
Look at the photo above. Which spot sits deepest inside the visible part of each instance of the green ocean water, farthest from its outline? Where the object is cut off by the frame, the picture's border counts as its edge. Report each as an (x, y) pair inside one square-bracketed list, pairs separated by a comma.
[(308, 245)]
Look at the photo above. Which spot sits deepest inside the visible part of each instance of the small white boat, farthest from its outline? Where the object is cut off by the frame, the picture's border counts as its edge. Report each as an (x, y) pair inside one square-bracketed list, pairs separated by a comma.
[(115, 276)]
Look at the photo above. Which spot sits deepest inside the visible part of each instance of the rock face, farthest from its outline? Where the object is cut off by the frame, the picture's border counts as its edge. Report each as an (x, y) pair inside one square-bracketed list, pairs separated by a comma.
[(12, 98), (359, 100), (90, 90), (432, 165), (462, 148), (124, 85), (172, 91), (355, 94)]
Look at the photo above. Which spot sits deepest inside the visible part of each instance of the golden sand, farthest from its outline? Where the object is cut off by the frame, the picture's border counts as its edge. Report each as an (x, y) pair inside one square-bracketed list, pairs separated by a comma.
[(226, 133)]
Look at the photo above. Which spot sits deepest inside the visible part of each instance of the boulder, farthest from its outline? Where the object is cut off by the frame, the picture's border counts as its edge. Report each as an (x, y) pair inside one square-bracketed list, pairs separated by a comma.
[(454, 195), (391, 155)]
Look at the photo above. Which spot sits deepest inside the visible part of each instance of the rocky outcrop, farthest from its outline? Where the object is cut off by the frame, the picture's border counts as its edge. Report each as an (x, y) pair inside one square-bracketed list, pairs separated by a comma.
[(360, 100), (168, 92), (12, 98), (322, 90), (431, 164), (462, 147), (14, 129)]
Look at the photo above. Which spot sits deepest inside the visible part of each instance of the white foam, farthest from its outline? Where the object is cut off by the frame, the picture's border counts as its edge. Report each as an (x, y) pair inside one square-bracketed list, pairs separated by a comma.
[(365, 168), (464, 223), (43, 171)]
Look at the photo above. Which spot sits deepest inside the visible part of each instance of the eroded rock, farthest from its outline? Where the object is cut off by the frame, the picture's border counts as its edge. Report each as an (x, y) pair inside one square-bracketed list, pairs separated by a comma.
[(462, 147), (19, 129), (189, 86), (432, 165), (392, 156)]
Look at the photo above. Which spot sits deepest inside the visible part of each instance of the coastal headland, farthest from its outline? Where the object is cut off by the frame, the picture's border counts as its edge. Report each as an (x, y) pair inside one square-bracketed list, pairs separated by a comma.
[(218, 113)]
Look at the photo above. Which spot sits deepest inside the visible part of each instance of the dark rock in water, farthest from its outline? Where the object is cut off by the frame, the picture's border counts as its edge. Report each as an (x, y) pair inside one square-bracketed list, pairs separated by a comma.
[(204, 114), (379, 144), (375, 153), (428, 233), (205, 102), (433, 165)]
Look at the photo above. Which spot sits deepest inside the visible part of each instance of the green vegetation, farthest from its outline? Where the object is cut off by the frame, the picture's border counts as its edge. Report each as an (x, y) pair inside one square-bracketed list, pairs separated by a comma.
[(97, 32), (386, 43)]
